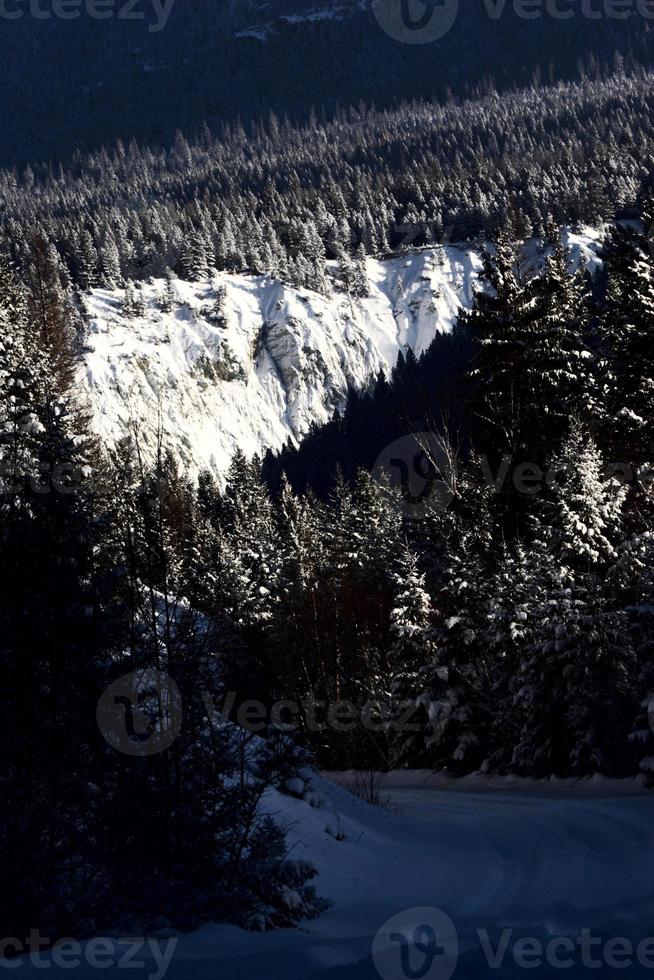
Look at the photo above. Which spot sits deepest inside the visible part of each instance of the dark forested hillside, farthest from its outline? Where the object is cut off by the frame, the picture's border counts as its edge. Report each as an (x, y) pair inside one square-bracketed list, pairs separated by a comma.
[(214, 60), (284, 200)]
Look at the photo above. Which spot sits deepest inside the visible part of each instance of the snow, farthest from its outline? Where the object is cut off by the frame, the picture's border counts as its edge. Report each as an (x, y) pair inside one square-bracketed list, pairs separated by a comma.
[(335, 11), (584, 246), (299, 352), (545, 859)]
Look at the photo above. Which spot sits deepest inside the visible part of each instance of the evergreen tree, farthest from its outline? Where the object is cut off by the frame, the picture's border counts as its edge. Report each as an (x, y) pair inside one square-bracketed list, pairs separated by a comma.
[(195, 261), (576, 689), (577, 684), (586, 507), (411, 649), (50, 312), (168, 298), (110, 263), (628, 334), (359, 282), (501, 326), (558, 363), (633, 581)]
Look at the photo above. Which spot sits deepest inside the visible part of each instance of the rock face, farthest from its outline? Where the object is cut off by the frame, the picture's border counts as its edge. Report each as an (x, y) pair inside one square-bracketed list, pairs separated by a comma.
[(277, 360)]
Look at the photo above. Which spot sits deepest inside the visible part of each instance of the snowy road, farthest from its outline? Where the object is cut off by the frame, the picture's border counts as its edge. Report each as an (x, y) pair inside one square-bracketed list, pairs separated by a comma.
[(553, 863)]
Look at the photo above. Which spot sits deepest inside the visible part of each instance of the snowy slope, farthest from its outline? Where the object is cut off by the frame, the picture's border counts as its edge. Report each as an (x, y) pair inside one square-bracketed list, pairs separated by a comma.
[(285, 358), (547, 859)]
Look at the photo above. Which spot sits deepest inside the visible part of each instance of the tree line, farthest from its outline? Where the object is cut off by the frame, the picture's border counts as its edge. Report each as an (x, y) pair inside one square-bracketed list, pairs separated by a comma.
[(307, 203), (115, 77)]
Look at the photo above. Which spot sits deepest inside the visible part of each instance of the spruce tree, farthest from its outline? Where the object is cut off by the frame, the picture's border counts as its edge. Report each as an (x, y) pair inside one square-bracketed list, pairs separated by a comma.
[(628, 336), (576, 690), (501, 327), (558, 364)]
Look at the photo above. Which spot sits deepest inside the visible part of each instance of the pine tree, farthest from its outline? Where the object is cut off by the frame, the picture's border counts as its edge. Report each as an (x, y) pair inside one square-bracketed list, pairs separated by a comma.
[(87, 261), (346, 271), (464, 675), (359, 284), (110, 271), (632, 580), (302, 562), (410, 653), (577, 684), (168, 298), (128, 308), (23, 391), (194, 261), (138, 302), (56, 629), (587, 508), (50, 312), (576, 689), (218, 314), (558, 362), (251, 546), (628, 336), (501, 327)]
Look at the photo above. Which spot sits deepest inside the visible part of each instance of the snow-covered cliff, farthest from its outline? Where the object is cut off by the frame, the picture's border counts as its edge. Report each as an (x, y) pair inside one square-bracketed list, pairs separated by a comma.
[(281, 358)]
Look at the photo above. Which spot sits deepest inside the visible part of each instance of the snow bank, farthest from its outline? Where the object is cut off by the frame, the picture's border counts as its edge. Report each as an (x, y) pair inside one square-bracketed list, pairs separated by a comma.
[(538, 863), (425, 779)]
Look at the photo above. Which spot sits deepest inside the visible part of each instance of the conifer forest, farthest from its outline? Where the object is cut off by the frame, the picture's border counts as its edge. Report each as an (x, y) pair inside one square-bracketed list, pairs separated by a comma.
[(327, 488)]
